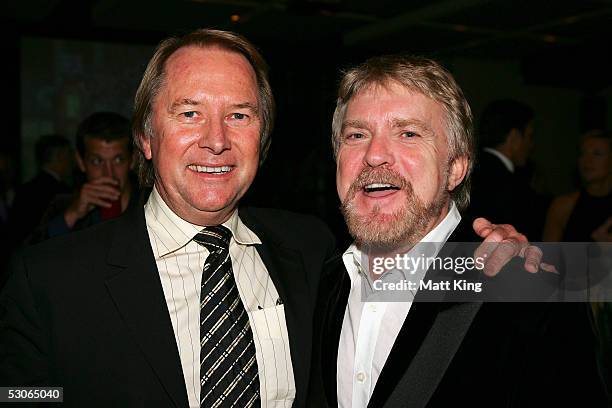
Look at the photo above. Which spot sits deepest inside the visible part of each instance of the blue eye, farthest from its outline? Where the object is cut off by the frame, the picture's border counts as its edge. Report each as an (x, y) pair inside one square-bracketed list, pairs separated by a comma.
[(409, 134), (354, 136), (190, 114)]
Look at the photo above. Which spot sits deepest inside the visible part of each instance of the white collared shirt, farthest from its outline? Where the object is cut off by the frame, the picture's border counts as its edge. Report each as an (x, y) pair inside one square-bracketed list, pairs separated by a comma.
[(506, 161), (180, 261), (369, 328)]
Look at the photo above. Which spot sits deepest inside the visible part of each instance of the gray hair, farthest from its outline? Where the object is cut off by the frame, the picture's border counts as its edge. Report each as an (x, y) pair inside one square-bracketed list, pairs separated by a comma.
[(427, 77)]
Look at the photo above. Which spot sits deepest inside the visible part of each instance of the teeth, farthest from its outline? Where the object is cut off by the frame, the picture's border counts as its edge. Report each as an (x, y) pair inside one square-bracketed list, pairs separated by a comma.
[(206, 169), (379, 185)]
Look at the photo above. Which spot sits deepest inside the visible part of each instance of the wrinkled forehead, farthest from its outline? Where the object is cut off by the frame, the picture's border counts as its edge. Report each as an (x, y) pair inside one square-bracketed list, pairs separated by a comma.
[(98, 145), (410, 101)]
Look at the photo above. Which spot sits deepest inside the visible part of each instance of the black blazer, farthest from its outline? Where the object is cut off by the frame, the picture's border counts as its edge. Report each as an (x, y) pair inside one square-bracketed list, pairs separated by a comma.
[(466, 354), (505, 197), (86, 311)]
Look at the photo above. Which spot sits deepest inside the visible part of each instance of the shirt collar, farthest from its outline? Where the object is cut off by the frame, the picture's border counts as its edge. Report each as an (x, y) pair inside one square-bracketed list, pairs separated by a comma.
[(174, 232), (505, 160), (353, 256)]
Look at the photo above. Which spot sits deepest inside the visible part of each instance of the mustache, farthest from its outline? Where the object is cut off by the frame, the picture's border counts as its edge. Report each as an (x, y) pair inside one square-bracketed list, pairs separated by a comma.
[(382, 175)]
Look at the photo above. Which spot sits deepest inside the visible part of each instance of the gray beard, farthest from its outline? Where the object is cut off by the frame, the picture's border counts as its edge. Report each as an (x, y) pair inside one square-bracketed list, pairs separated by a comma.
[(380, 232)]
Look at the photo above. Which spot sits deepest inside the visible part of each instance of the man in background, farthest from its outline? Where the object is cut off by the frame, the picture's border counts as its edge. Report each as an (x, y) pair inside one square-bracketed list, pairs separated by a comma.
[(54, 161), (500, 187), (104, 157)]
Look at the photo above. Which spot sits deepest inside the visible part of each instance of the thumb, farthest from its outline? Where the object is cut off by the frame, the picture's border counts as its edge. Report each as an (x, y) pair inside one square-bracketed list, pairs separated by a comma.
[(482, 227)]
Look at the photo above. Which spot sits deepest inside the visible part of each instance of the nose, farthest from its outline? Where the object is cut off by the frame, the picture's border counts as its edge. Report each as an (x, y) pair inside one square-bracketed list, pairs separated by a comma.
[(109, 169), (378, 152), (214, 136)]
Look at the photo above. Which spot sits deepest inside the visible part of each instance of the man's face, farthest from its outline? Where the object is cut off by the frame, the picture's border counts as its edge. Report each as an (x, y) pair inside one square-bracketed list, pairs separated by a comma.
[(107, 159), (525, 145), (206, 130), (393, 175)]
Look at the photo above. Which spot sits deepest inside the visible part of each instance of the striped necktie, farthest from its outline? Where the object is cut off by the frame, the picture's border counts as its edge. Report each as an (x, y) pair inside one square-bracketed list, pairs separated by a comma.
[(228, 367)]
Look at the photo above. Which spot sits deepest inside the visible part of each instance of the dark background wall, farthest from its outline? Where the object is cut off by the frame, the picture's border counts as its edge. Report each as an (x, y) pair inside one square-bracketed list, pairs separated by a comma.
[(63, 60)]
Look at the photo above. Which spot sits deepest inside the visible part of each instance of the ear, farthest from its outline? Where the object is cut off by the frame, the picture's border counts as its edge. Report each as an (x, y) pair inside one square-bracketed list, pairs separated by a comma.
[(514, 139), (145, 144), (457, 171), (79, 161)]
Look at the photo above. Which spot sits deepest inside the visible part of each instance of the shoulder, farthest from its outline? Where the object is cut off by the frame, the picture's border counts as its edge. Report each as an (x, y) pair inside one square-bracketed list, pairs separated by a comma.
[(69, 251), (285, 225), (564, 204)]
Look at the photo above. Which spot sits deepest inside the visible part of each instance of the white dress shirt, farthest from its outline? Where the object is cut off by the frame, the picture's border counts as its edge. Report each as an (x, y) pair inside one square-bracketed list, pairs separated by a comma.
[(505, 160), (180, 261), (369, 328)]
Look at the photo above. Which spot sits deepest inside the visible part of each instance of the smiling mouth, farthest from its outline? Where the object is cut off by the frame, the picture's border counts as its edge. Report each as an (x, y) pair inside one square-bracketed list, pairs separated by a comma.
[(210, 169), (375, 187)]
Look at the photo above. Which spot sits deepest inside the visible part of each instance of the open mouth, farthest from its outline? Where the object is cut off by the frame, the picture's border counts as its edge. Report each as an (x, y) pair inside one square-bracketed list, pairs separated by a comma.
[(210, 169), (379, 187)]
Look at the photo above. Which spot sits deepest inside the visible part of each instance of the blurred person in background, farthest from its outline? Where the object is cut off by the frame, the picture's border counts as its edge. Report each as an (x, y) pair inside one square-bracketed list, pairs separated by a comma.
[(54, 158), (586, 215), (7, 187), (104, 156), (498, 190), (7, 194)]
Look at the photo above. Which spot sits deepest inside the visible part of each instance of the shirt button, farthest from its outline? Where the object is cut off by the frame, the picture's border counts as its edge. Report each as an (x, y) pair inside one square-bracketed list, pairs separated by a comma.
[(361, 377), (372, 308)]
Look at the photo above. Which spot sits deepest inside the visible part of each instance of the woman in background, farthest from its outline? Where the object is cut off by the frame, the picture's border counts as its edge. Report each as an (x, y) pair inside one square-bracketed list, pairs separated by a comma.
[(586, 215)]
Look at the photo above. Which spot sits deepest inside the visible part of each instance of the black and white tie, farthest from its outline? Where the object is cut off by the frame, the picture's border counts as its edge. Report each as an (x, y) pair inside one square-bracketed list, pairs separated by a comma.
[(228, 367)]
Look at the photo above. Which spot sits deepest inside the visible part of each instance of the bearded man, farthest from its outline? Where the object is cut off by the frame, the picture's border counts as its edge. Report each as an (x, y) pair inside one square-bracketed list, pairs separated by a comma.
[(402, 136)]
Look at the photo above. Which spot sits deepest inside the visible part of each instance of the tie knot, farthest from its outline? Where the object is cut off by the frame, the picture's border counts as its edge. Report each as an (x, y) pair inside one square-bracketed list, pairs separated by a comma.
[(214, 238)]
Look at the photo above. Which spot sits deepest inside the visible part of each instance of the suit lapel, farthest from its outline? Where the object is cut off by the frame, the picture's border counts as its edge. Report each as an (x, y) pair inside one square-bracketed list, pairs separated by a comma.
[(420, 380), (134, 285), (426, 343), (286, 269), (337, 285)]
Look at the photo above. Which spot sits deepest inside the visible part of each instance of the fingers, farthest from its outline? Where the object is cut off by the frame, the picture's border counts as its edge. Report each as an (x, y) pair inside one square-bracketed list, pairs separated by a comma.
[(533, 258), (99, 192), (603, 233), (549, 268), (104, 180), (496, 255), (501, 243)]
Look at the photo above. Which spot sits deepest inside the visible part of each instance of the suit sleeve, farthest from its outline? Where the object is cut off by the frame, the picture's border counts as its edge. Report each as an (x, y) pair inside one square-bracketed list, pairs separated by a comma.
[(22, 345)]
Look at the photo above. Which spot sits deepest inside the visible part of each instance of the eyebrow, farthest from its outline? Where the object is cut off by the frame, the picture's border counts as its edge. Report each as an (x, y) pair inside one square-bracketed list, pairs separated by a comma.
[(191, 102), (395, 122), (182, 102), (356, 123), (247, 105), (400, 123)]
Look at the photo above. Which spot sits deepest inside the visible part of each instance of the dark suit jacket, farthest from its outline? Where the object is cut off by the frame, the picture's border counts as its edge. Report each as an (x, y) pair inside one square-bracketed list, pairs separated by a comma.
[(505, 197), (86, 310), (466, 354), (31, 201)]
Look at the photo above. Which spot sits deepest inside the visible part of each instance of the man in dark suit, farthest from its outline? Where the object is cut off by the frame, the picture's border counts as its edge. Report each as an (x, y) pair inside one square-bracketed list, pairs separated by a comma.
[(185, 300), (500, 184), (54, 161), (404, 151)]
